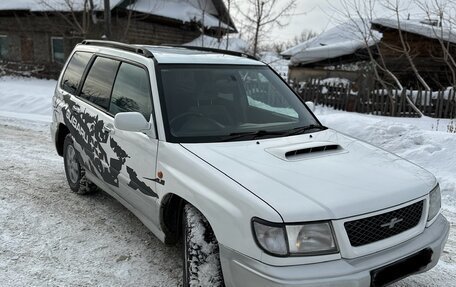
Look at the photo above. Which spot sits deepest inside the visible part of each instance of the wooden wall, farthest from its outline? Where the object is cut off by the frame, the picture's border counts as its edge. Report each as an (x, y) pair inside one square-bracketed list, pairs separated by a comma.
[(29, 38), (427, 55)]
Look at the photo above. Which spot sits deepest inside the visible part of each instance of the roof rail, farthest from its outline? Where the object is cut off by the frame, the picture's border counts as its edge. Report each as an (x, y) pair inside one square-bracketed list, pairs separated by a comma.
[(122, 46), (220, 51)]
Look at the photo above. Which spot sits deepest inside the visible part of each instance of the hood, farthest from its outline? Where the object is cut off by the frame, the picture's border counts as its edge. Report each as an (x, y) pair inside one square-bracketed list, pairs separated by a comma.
[(319, 176)]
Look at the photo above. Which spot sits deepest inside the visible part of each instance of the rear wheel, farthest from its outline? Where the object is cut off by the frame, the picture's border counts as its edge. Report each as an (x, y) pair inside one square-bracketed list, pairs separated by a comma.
[(75, 173), (200, 251)]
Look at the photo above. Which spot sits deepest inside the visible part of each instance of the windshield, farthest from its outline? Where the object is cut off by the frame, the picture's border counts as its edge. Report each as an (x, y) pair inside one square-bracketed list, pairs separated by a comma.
[(210, 103)]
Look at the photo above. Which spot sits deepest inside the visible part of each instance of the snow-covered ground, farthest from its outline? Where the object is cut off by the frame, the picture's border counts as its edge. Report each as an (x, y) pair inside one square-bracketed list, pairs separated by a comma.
[(52, 237), (26, 98)]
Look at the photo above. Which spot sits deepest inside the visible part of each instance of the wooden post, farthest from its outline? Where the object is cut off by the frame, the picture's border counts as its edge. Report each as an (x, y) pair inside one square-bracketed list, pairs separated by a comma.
[(441, 94), (107, 19), (446, 106), (419, 102)]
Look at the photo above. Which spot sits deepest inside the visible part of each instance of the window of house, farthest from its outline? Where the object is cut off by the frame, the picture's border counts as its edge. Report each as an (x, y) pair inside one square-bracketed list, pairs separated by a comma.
[(3, 47), (73, 73), (98, 85), (131, 91), (58, 55)]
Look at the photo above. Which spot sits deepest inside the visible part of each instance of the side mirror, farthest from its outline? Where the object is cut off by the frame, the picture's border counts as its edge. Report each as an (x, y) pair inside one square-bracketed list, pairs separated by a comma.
[(311, 106), (133, 122)]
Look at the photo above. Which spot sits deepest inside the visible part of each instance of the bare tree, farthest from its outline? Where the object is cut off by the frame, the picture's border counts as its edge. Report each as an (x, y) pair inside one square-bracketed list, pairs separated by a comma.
[(443, 31), (262, 15), (79, 16), (393, 5), (228, 6), (361, 14), (133, 17), (107, 19), (304, 36)]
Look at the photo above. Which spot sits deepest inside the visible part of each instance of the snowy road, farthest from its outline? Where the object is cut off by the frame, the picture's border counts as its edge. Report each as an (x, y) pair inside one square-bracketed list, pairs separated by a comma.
[(51, 237)]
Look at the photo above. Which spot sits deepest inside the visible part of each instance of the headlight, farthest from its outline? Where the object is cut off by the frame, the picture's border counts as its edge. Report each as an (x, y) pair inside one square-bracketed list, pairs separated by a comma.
[(270, 238), (295, 239), (435, 203), (310, 239)]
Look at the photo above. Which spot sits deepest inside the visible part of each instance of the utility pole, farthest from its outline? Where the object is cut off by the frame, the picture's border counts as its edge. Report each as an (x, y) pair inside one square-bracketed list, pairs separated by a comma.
[(107, 19)]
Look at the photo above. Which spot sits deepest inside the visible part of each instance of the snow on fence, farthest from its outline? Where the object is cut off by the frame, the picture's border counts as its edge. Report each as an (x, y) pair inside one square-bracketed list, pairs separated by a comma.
[(347, 97)]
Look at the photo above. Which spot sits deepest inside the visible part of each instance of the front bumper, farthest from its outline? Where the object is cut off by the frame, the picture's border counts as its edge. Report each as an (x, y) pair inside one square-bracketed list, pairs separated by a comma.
[(240, 270)]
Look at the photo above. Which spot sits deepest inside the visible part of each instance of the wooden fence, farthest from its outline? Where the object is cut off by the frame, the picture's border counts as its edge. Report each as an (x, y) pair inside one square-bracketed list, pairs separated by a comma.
[(437, 104)]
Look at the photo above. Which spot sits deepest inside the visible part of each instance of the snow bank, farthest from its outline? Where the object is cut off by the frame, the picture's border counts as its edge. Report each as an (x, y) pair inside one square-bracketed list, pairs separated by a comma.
[(234, 44), (335, 81), (26, 98)]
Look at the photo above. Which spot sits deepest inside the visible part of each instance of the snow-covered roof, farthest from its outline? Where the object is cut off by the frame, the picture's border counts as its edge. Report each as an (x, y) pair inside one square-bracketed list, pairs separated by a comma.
[(204, 11), (52, 5), (186, 11), (341, 40), (234, 44), (418, 27)]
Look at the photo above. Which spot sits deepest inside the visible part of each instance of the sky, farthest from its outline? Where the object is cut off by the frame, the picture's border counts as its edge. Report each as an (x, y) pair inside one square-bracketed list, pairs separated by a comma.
[(320, 15), (315, 15)]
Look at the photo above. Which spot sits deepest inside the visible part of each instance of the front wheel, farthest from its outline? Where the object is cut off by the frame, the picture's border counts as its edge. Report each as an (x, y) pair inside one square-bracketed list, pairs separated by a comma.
[(200, 251), (75, 173)]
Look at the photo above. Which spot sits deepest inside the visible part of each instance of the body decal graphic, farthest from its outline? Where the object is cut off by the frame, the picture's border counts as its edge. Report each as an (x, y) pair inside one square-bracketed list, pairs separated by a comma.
[(135, 183), (88, 132)]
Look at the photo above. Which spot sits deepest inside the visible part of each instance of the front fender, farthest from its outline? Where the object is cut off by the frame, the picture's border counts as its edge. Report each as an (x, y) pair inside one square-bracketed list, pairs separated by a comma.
[(226, 204)]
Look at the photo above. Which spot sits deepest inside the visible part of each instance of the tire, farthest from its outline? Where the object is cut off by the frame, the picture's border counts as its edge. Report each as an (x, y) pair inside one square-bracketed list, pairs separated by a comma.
[(74, 172), (200, 251)]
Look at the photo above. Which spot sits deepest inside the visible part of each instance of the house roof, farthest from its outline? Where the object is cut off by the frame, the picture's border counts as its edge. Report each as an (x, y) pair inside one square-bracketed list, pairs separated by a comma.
[(52, 5), (344, 39), (212, 12), (418, 27), (185, 11)]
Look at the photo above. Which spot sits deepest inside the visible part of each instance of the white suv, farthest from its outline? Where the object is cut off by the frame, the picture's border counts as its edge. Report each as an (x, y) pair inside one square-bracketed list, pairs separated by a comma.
[(215, 149)]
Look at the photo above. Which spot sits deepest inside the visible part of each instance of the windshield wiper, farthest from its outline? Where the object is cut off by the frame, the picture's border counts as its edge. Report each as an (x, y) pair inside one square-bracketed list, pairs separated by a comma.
[(251, 135), (263, 133), (305, 129)]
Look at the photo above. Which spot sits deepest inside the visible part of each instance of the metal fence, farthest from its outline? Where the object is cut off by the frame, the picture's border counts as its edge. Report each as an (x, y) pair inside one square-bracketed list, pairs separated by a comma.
[(377, 101)]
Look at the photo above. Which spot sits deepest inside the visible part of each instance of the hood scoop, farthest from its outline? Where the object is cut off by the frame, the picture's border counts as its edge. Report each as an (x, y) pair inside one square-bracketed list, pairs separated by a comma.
[(306, 150)]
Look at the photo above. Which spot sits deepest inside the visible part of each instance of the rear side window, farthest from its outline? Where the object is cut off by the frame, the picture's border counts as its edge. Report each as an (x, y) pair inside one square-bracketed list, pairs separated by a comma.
[(98, 85), (73, 74), (131, 92)]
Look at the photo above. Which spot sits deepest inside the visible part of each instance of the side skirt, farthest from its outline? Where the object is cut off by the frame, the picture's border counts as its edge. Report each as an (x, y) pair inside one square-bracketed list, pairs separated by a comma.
[(149, 224)]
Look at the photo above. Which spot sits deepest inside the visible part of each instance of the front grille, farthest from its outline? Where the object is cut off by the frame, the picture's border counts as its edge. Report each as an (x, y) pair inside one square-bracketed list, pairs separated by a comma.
[(382, 226)]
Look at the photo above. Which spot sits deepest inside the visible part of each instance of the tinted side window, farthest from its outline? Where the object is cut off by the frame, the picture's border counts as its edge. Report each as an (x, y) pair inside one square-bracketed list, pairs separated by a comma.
[(98, 85), (74, 71), (131, 92)]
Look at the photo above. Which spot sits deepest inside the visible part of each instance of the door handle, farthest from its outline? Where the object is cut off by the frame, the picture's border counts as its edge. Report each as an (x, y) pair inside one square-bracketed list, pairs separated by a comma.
[(108, 128)]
